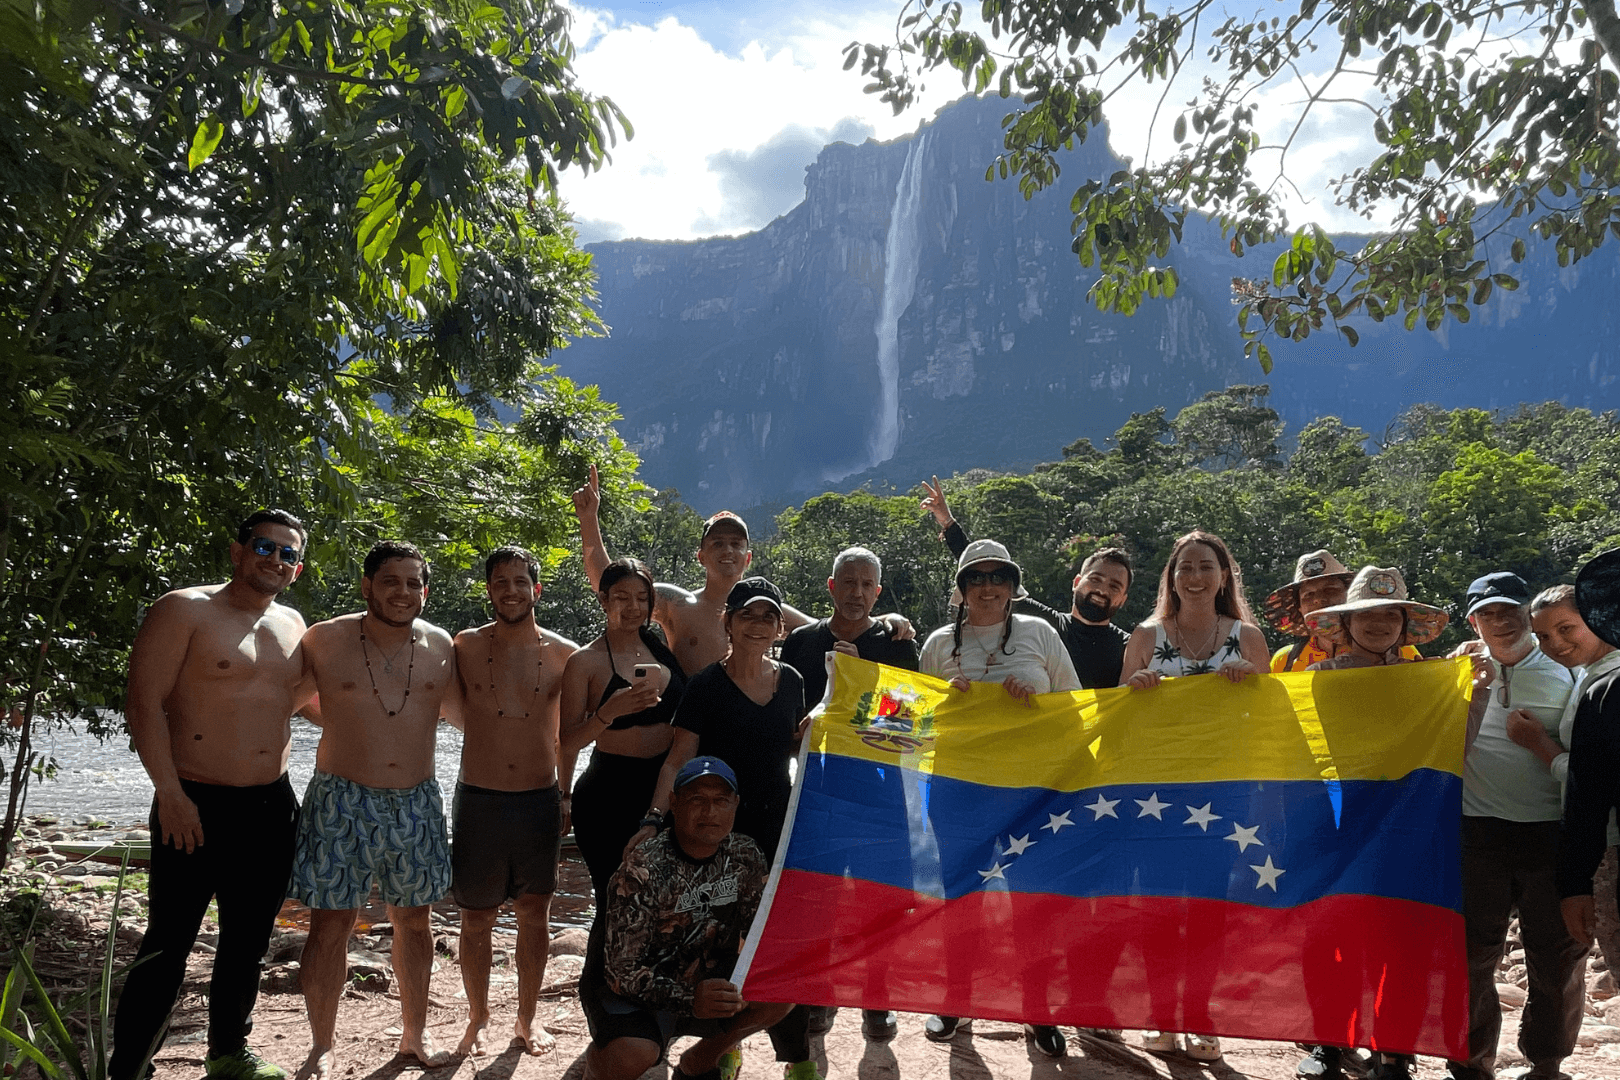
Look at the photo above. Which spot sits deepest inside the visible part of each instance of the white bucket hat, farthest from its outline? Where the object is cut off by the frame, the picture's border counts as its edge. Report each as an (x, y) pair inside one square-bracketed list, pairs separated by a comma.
[(987, 551)]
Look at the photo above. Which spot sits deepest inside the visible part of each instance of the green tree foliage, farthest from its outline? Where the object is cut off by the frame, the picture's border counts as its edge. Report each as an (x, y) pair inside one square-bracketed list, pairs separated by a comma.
[(1469, 102), (229, 235), (1445, 496)]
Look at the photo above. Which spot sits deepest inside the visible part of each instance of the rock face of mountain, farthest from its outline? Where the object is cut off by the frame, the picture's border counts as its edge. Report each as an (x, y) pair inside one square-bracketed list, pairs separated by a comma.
[(910, 318)]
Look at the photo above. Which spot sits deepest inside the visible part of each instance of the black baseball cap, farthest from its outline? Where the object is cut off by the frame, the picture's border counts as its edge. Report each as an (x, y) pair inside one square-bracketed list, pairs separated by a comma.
[(750, 589), (700, 767), (1597, 595), (1502, 587)]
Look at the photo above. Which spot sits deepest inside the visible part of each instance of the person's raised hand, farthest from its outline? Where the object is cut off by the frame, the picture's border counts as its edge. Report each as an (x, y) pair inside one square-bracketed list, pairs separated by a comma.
[(588, 497), (934, 502), (716, 999)]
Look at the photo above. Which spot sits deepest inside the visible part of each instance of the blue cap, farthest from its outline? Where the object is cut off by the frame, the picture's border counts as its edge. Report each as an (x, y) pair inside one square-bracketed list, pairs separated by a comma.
[(1502, 587), (700, 767)]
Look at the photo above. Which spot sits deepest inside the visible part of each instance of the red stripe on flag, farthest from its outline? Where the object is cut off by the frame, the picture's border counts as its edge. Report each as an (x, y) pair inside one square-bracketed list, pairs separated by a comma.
[(1361, 971)]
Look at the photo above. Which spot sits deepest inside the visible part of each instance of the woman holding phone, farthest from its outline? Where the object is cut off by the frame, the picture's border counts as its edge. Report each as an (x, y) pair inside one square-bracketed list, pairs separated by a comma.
[(620, 691)]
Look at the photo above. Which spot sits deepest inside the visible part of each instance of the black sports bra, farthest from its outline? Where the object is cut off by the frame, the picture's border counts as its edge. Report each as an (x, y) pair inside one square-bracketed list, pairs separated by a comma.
[(664, 711)]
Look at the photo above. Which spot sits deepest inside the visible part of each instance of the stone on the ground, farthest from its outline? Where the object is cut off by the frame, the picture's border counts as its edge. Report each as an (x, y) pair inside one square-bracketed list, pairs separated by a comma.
[(370, 971), (1600, 986), (565, 968), (570, 942), (287, 945), (281, 978), (1510, 996)]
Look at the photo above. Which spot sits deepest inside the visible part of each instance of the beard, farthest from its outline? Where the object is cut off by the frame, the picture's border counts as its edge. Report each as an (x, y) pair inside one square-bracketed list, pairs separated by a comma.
[(1093, 608), (373, 609)]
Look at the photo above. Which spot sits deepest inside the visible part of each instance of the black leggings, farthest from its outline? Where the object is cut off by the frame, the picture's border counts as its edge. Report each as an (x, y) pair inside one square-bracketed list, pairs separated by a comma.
[(609, 802), (245, 863)]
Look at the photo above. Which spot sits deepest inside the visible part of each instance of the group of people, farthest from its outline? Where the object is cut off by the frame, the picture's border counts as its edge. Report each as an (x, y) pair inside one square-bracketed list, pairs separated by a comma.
[(696, 703)]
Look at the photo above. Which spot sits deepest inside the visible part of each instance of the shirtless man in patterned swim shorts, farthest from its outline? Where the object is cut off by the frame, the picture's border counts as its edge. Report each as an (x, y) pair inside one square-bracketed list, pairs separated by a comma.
[(373, 811)]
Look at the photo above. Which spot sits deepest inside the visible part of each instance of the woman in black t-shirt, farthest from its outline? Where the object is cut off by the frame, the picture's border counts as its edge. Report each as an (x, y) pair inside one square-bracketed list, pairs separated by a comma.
[(748, 711)]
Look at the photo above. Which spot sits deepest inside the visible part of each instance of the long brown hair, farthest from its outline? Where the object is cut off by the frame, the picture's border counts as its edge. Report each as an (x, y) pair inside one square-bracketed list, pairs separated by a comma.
[(1229, 602)]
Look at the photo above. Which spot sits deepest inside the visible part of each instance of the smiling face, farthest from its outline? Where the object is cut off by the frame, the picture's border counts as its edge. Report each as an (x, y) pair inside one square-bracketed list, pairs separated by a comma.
[(754, 629), (724, 553), (1375, 631), (512, 592), (628, 603), (1505, 627), (1100, 590), (1319, 593), (1564, 636), (267, 574), (1198, 575), (396, 592), (987, 589), (854, 590)]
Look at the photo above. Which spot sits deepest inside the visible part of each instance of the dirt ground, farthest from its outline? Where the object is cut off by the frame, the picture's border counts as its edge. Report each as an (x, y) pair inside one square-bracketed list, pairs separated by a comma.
[(78, 894)]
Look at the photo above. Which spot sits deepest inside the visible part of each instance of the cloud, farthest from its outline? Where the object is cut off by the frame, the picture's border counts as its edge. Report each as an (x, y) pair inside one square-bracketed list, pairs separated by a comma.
[(721, 137), (762, 184)]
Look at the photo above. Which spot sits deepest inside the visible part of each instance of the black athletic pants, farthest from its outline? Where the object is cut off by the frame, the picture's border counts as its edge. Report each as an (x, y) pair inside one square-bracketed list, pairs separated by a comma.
[(245, 863)]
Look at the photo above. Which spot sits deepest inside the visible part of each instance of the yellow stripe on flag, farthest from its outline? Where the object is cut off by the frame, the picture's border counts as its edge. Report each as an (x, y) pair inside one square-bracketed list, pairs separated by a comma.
[(1365, 724)]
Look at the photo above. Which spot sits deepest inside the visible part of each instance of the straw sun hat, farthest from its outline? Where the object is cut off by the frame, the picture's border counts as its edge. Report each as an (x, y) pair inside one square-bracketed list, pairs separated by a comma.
[(1376, 587)]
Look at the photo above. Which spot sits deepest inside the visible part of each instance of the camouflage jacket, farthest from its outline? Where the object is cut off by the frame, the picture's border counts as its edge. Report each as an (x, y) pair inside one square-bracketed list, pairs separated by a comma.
[(673, 921)]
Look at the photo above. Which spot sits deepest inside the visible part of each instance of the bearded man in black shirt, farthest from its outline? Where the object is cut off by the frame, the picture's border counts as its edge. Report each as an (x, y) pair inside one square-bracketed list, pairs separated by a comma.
[(1095, 644)]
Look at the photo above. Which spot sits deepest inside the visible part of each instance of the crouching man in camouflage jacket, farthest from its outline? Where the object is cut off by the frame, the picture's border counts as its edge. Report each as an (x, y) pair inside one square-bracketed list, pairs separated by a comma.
[(677, 912)]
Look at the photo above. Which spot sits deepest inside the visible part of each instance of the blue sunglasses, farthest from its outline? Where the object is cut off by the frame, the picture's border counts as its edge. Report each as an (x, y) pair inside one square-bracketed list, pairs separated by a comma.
[(263, 545)]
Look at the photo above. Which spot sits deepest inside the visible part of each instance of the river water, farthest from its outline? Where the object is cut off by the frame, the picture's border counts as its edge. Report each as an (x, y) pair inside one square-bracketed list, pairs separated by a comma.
[(105, 780)]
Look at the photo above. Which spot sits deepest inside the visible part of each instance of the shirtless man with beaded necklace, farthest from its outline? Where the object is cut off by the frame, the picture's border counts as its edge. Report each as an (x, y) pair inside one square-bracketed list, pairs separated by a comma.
[(373, 810), (511, 806)]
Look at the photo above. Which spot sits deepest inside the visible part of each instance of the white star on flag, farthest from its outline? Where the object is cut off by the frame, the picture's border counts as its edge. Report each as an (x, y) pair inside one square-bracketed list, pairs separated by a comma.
[(1268, 874), (1201, 817), (1152, 807), (1244, 837), (1103, 808), (995, 873), (1019, 845), (1057, 821)]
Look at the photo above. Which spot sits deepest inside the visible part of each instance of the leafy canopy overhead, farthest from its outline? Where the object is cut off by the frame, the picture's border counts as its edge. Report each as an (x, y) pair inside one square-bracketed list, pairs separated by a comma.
[(1493, 120)]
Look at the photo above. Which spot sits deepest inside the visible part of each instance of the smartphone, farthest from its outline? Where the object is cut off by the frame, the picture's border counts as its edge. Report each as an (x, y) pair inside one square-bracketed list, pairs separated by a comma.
[(640, 672)]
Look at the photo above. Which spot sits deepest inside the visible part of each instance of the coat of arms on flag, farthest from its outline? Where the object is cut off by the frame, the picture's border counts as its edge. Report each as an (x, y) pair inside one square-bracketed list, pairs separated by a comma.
[(1274, 859)]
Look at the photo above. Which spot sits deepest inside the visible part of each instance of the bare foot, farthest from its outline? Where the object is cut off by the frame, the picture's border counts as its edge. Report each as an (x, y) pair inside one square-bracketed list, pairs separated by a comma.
[(424, 1049), (536, 1039), (320, 1065), (473, 1043)]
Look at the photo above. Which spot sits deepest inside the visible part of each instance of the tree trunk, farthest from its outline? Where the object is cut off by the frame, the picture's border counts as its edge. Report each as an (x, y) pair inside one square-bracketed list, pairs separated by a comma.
[(1605, 27)]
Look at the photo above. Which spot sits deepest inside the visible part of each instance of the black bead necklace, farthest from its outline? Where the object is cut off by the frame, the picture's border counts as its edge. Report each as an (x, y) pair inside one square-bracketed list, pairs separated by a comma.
[(411, 666), (539, 660)]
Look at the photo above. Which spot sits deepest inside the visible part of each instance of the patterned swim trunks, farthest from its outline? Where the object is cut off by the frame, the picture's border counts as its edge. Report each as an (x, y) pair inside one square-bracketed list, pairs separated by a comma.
[(350, 835)]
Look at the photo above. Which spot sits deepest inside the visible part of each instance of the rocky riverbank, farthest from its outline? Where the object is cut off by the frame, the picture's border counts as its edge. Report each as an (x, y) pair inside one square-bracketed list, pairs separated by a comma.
[(75, 899)]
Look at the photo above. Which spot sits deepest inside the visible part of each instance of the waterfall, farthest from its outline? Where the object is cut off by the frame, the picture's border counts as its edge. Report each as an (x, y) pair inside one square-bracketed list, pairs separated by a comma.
[(899, 285)]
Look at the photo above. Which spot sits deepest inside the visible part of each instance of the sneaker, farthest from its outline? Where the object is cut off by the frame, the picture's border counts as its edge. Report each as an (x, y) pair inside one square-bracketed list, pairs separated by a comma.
[(1160, 1042), (878, 1025), (802, 1070), (821, 1018), (940, 1028), (243, 1064), (1324, 1063), (1203, 1048), (1049, 1040), (730, 1063)]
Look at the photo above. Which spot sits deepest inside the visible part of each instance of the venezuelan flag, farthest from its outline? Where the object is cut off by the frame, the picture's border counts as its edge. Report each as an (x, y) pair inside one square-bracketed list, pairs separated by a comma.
[(1274, 859)]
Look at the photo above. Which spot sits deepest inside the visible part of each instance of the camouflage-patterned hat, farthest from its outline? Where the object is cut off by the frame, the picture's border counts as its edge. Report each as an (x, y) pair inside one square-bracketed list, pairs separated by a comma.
[(1282, 606), (1376, 587)]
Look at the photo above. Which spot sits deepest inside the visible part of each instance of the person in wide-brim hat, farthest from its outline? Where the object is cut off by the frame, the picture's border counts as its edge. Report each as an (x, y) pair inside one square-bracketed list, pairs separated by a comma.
[(1282, 606), (988, 556), (1376, 587)]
